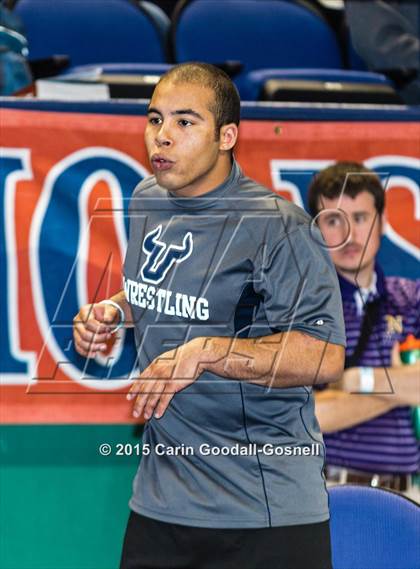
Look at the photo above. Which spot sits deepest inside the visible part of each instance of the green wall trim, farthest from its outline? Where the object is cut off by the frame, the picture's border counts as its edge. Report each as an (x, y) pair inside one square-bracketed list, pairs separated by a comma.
[(62, 504)]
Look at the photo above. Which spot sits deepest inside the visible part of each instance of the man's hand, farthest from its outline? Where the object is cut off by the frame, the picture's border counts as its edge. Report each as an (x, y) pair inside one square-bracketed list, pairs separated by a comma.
[(166, 375), (396, 356), (92, 328)]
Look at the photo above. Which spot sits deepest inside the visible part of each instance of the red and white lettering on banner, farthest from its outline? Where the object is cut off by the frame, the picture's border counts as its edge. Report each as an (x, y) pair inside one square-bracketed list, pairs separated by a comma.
[(66, 179)]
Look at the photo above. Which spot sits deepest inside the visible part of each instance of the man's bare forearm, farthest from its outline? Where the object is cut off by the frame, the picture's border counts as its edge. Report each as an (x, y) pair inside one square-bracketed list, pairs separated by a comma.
[(121, 300), (336, 410), (402, 383), (285, 359), (342, 407)]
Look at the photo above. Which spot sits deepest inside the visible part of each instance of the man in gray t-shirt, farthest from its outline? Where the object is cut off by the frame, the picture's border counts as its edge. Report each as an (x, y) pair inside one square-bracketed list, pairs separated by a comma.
[(237, 313)]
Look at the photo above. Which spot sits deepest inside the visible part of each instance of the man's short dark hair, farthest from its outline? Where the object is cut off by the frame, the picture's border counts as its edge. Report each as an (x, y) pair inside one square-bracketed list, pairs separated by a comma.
[(349, 178), (226, 108)]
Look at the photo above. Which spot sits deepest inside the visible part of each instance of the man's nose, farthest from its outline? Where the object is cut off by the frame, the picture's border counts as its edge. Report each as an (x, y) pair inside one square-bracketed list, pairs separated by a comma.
[(352, 230), (163, 136)]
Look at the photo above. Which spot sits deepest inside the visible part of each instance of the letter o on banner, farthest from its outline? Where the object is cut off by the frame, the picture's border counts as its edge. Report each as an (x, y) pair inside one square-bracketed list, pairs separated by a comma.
[(58, 234)]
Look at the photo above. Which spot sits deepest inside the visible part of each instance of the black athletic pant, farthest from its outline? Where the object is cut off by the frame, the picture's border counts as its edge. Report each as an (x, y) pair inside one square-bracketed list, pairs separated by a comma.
[(152, 544)]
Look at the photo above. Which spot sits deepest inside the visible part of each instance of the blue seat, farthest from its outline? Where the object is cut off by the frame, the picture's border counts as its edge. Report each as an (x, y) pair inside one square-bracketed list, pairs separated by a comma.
[(258, 33), (159, 18), (91, 31), (372, 528), (273, 39)]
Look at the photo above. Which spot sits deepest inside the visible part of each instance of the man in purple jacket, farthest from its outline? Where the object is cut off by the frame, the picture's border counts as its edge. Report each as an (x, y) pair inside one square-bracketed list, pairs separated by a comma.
[(366, 417)]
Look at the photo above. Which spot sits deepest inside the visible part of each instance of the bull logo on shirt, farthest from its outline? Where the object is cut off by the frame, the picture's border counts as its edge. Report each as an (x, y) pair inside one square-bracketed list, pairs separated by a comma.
[(161, 256)]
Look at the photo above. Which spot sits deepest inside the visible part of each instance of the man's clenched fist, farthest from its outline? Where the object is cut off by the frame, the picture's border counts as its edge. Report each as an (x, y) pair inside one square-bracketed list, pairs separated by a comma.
[(92, 328)]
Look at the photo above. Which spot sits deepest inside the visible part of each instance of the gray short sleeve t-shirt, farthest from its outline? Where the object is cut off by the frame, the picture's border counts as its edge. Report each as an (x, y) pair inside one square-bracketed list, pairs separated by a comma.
[(239, 261)]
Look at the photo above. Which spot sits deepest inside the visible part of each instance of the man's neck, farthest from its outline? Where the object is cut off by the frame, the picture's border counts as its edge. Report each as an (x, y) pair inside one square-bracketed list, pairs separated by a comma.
[(363, 278)]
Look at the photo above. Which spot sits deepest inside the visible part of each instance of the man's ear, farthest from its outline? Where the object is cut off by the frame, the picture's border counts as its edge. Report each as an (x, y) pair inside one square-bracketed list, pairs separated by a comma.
[(228, 136)]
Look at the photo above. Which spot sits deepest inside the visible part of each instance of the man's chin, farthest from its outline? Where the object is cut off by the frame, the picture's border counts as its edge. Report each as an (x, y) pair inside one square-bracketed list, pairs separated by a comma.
[(348, 267), (164, 181), (353, 268), (172, 188)]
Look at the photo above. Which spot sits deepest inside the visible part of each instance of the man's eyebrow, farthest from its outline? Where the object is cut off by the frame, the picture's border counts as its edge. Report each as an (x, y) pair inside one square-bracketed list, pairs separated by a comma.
[(188, 112), (177, 112), (153, 110), (329, 212)]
